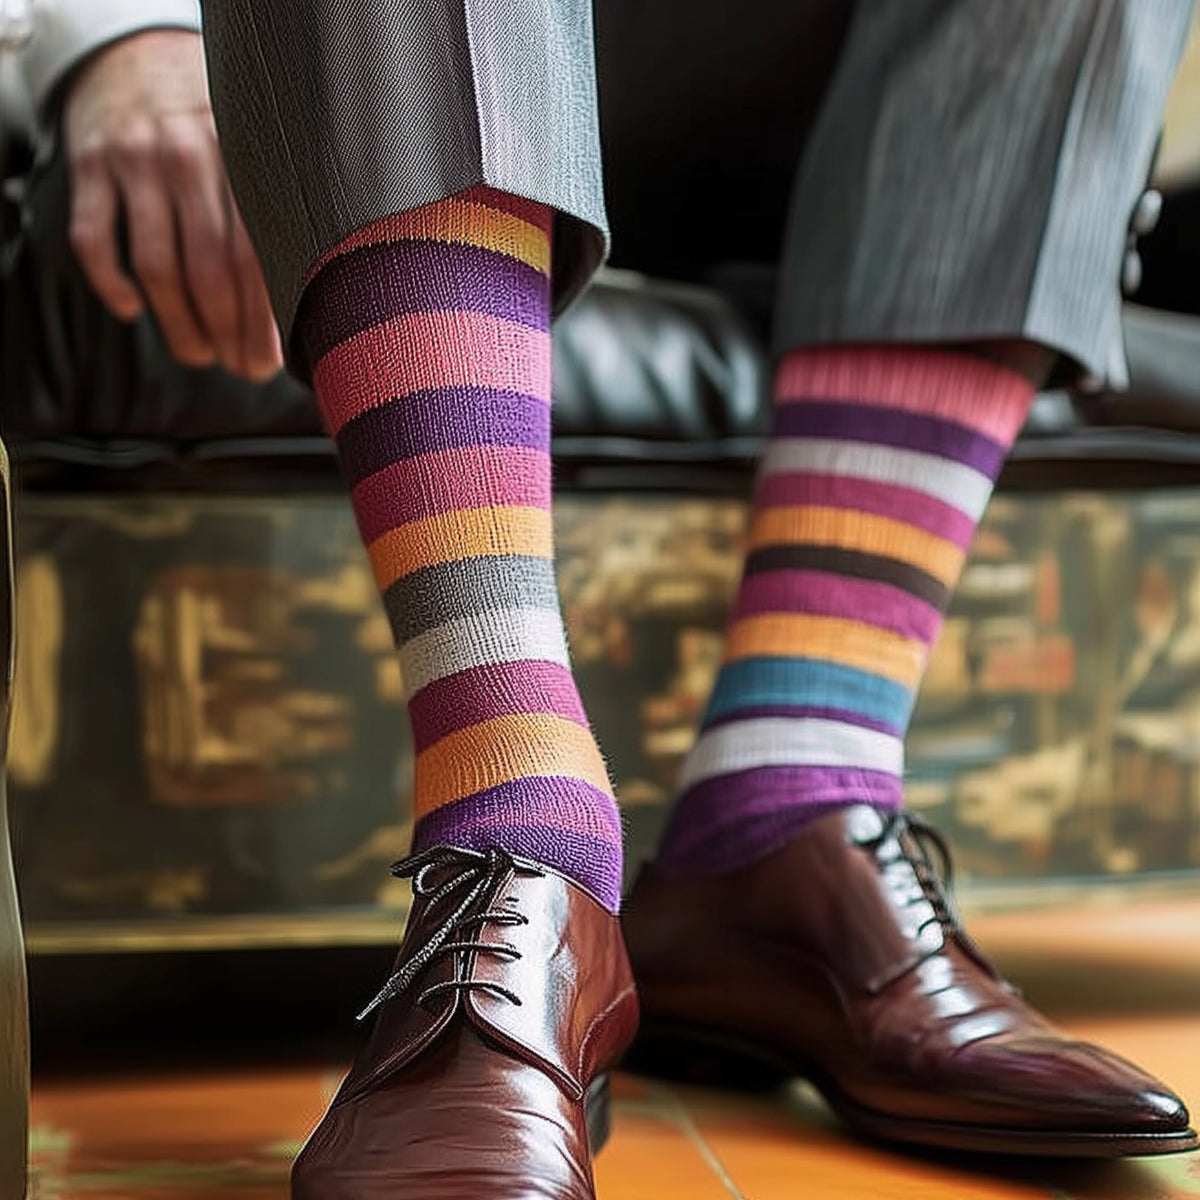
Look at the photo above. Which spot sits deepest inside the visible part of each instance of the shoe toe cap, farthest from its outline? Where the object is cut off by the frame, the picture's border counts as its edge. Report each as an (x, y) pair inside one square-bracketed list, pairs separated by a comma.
[(1072, 1084)]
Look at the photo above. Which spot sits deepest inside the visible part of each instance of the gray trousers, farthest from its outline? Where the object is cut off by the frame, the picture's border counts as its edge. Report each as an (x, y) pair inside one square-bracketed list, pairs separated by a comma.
[(970, 176)]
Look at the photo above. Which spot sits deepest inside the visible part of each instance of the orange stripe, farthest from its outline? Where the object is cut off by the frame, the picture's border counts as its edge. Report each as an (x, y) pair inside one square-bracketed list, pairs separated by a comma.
[(453, 221), (503, 749), (833, 639), (869, 534), (464, 533)]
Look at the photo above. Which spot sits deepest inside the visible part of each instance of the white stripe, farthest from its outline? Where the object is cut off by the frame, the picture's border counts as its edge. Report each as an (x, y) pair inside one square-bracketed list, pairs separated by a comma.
[(790, 741), (500, 636), (959, 486)]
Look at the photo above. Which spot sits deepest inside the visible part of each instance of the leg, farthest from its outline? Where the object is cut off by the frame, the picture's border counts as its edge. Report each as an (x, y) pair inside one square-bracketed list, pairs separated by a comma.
[(958, 225), (439, 195)]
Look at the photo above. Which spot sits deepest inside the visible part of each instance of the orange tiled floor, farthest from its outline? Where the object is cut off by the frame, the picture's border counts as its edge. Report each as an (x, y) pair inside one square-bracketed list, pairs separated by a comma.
[(1128, 977)]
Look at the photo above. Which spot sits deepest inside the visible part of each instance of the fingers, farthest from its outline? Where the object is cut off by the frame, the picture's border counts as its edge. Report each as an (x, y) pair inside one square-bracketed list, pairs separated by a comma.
[(153, 246), (196, 180), (262, 352), (93, 234), (191, 257)]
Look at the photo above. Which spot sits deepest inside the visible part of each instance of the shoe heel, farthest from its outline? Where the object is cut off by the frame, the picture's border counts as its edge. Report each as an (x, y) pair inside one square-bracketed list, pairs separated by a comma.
[(696, 1056), (597, 1113)]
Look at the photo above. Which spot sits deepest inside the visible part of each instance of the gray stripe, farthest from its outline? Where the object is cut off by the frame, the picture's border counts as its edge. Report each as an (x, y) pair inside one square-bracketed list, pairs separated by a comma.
[(959, 486), (506, 635), (789, 741), (450, 591)]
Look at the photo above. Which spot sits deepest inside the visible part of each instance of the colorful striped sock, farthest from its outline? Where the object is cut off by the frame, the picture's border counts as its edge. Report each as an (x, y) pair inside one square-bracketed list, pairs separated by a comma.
[(880, 464), (428, 340)]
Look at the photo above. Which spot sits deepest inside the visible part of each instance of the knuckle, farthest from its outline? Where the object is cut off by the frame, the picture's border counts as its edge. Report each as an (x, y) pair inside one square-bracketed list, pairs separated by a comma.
[(89, 155), (135, 145), (187, 147), (153, 268), (84, 236)]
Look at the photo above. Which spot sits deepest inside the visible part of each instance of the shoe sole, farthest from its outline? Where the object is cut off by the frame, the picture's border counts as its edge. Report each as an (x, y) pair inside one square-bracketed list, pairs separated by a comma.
[(597, 1113), (697, 1056)]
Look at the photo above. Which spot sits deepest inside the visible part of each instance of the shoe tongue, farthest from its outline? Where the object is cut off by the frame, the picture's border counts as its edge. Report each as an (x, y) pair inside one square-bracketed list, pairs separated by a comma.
[(553, 970), (905, 929), (565, 963)]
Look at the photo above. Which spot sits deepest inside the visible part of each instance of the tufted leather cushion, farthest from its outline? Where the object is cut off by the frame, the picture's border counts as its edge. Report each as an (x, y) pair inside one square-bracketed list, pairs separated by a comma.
[(656, 385)]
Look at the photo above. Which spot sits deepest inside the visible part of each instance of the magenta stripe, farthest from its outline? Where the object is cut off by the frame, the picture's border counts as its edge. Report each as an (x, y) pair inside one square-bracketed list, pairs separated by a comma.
[(457, 701), (790, 489), (447, 480), (821, 595)]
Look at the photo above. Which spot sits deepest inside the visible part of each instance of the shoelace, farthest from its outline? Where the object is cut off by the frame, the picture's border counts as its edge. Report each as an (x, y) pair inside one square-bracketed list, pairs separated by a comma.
[(936, 879), (473, 874)]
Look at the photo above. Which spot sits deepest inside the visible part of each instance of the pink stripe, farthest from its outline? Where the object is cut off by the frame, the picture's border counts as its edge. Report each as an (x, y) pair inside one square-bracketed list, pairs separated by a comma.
[(789, 489), (448, 480), (517, 206), (469, 697), (939, 383), (820, 595), (420, 351)]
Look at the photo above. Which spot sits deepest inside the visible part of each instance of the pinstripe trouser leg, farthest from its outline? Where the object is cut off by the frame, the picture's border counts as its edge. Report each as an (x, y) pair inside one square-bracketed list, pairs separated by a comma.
[(973, 171), (335, 113), (971, 174)]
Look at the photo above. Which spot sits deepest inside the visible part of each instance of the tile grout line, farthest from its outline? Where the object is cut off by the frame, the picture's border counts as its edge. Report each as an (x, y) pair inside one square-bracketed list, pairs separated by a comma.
[(691, 1131)]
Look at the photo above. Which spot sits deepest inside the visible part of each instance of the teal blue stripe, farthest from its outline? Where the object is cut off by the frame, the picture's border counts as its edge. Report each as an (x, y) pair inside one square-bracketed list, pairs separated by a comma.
[(808, 683)]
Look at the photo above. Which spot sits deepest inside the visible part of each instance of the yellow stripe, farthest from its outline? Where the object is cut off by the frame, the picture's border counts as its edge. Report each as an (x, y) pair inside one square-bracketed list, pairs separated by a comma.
[(811, 525), (503, 749), (457, 222), (464, 533), (832, 639)]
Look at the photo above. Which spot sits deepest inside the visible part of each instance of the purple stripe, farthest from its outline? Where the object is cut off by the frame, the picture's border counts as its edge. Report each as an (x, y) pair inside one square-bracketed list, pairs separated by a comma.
[(891, 427), (731, 820), (561, 823), (922, 511), (483, 693), (819, 594), (737, 843), (800, 711), (440, 419), (373, 284)]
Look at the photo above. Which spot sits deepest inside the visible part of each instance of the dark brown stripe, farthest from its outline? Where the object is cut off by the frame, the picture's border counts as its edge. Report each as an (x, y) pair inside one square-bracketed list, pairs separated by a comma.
[(836, 561)]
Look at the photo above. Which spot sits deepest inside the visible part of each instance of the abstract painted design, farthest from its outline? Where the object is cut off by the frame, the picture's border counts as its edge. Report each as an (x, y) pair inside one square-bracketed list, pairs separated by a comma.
[(210, 723)]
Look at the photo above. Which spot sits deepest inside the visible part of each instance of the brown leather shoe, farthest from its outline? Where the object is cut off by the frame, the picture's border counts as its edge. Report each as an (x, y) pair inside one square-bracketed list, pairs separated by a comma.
[(483, 1077), (838, 959)]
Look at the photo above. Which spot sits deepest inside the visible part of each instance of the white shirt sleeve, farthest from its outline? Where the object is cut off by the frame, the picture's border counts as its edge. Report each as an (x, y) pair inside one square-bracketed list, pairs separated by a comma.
[(61, 33)]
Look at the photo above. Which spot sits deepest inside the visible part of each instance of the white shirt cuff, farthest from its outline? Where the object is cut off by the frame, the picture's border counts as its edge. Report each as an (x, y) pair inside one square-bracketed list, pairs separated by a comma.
[(67, 31)]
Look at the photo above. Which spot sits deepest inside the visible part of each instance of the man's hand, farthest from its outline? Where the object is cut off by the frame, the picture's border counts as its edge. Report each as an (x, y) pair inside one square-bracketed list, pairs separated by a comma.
[(141, 145)]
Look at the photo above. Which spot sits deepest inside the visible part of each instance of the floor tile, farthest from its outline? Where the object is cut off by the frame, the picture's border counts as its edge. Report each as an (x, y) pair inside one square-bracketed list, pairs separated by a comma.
[(1127, 979), (653, 1156)]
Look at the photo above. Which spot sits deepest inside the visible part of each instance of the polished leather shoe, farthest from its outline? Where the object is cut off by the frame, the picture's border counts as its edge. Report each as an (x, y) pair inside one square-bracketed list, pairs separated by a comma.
[(839, 959), (483, 1078)]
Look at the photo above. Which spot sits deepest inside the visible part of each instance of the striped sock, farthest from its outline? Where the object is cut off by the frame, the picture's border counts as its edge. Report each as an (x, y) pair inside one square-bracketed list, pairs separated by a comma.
[(880, 464), (428, 339)]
